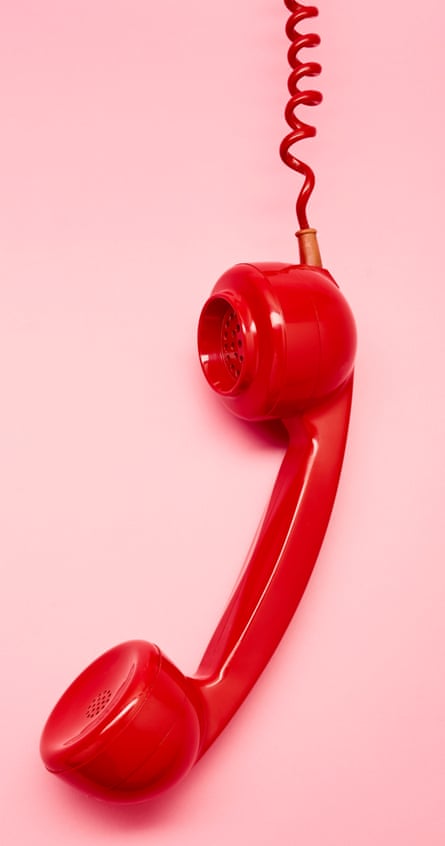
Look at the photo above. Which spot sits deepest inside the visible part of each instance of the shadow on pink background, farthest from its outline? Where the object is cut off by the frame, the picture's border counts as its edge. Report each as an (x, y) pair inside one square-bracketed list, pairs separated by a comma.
[(138, 162)]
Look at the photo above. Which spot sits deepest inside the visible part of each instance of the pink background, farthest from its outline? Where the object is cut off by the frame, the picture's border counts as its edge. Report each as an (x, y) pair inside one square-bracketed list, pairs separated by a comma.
[(138, 162)]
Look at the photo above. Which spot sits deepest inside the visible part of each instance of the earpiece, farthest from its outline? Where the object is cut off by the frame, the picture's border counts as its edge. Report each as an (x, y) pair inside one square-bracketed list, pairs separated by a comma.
[(127, 728), (275, 341)]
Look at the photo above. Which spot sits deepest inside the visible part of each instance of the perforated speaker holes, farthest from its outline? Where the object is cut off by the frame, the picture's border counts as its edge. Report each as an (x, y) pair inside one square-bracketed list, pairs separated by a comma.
[(98, 704), (232, 343)]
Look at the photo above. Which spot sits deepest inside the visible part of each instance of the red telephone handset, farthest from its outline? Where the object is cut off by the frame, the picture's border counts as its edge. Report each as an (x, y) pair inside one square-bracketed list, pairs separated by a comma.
[(276, 341)]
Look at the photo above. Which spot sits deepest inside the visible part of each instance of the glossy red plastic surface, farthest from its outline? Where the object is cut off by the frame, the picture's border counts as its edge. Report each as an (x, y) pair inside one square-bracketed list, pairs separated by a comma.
[(275, 341), (294, 363), (126, 727)]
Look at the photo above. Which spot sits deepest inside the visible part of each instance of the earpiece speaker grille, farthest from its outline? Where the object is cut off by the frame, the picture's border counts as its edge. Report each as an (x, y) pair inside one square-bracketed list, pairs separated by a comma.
[(98, 704)]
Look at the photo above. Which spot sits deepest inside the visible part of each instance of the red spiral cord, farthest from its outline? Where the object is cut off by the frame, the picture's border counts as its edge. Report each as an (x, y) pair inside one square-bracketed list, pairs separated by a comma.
[(299, 129)]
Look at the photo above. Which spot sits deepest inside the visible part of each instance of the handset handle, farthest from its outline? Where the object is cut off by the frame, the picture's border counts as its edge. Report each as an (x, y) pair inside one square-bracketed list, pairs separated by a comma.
[(280, 563)]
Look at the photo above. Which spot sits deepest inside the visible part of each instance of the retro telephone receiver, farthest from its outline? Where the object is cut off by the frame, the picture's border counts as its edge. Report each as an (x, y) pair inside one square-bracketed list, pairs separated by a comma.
[(275, 341)]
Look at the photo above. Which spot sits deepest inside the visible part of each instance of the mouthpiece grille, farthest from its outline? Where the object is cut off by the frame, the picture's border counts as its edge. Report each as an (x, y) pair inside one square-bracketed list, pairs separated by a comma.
[(232, 343)]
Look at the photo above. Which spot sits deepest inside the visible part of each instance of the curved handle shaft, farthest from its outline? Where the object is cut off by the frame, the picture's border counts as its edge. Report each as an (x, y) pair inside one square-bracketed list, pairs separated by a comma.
[(280, 563)]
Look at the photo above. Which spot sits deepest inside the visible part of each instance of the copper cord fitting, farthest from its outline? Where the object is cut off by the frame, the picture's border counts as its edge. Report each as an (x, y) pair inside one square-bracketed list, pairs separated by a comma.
[(308, 246)]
